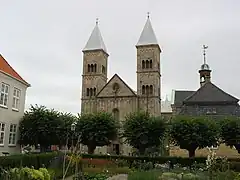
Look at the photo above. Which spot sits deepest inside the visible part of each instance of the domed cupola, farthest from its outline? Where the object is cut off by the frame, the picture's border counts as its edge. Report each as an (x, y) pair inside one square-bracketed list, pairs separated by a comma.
[(205, 67), (205, 71)]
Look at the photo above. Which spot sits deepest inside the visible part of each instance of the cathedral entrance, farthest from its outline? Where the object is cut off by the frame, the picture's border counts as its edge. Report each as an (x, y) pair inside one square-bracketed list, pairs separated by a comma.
[(116, 149)]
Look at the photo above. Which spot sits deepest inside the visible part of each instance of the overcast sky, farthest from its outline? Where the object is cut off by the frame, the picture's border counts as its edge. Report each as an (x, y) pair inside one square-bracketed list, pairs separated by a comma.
[(43, 39)]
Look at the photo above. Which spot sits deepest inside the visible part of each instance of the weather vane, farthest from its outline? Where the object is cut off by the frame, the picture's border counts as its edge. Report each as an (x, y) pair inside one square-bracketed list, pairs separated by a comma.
[(148, 14), (97, 21), (204, 53)]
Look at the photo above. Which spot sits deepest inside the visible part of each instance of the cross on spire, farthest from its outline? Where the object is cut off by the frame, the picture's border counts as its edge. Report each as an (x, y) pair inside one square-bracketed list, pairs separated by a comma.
[(97, 20), (204, 53), (148, 15)]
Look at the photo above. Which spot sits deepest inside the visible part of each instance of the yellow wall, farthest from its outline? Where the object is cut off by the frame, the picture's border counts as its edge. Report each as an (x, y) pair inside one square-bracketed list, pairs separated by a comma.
[(222, 150)]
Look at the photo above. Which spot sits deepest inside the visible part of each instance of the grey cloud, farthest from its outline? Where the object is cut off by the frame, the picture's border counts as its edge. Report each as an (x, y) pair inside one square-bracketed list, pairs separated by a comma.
[(42, 40)]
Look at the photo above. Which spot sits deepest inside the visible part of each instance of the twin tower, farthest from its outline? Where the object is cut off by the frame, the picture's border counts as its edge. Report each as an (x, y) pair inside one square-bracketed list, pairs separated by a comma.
[(95, 72)]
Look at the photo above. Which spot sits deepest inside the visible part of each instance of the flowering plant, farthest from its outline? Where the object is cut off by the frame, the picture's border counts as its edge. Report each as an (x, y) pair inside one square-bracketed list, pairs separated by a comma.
[(27, 174)]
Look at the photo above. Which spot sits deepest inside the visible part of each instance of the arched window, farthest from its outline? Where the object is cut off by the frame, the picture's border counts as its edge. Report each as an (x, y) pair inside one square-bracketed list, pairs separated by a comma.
[(147, 89), (147, 64), (150, 64), (103, 69), (143, 64), (151, 89), (115, 112), (95, 68), (143, 89), (87, 91), (94, 91), (91, 91), (89, 68)]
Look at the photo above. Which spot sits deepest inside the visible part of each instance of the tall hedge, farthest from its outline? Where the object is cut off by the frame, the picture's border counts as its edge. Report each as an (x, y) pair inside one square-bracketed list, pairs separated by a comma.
[(37, 160), (27, 160)]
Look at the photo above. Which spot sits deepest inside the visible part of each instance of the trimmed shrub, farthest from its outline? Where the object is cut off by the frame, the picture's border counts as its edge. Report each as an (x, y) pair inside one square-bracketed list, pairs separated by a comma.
[(27, 160)]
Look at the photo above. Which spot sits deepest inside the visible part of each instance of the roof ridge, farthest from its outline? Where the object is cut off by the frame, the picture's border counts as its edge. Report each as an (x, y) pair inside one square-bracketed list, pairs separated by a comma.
[(224, 91), (14, 73), (210, 83)]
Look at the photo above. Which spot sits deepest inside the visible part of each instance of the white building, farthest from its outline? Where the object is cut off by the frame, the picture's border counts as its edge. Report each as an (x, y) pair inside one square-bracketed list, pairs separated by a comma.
[(166, 106), (12, 102)]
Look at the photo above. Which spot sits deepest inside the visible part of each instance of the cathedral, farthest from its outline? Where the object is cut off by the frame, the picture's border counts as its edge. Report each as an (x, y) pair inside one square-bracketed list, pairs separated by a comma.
[(115, 95)]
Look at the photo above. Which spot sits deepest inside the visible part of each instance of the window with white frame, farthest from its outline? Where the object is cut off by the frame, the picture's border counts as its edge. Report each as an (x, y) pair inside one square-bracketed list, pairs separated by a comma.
[(4, 94), (16, 98), (12, 134), (214, 147), (2, 133)]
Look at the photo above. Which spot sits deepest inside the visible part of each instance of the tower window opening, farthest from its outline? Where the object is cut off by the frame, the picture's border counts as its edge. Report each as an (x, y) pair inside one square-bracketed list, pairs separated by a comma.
[(91, 91), (150, 64), (89, 68), (147, 89), (103, 69), (147, 64), (143, 89), (151, 89), (143, 64), (95, 68), (88, 93)]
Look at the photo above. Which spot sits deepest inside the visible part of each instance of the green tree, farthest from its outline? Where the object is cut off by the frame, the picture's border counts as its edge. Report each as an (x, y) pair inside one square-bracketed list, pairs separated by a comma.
[(38, 126), (97, 129), (230, 132), (65, 134), (142, 131), (191, 133)]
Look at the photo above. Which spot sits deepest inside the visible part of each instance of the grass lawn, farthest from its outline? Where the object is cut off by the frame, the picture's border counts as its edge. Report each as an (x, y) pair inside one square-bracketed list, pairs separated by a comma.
[(158, 175)]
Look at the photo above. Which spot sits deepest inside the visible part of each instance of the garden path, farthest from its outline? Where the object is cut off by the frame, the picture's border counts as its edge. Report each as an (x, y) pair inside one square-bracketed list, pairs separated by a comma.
[(119, 177), (116, 177)]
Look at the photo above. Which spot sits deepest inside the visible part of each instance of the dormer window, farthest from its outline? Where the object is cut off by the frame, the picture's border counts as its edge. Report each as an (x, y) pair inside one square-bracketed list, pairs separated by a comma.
[(211, 110)]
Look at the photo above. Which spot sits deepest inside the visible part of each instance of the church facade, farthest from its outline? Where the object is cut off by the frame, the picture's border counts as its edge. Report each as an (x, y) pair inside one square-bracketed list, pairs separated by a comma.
[(114, 95)]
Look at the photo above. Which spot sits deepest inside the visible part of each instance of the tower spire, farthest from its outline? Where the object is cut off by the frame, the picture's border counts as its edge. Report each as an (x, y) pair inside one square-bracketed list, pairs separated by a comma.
[(204, 53), (147, 36), (205, 72), (95, 41)]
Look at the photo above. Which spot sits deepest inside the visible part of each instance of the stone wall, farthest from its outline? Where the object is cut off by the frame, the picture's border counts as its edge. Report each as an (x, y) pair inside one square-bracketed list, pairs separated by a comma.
[(222, 150)]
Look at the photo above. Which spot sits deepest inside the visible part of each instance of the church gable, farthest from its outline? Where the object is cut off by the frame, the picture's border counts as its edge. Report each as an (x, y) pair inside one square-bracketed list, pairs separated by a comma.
[(116, 87), (210, 93)]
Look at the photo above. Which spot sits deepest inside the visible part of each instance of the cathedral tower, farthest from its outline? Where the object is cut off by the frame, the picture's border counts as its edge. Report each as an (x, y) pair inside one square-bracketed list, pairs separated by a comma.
[(94, 77), (148, 71), (205, 71)]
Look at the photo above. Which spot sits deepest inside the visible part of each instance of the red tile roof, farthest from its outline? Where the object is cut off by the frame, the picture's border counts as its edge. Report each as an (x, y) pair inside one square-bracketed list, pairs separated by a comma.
[(6, 68)]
